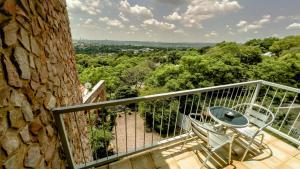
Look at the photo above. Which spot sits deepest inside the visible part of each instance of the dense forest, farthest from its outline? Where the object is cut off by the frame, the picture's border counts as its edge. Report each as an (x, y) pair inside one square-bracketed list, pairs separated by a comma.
[(129, 74)]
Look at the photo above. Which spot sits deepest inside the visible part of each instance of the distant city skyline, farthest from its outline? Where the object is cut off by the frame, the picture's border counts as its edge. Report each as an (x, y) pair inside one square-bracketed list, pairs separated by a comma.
[(183, 20)]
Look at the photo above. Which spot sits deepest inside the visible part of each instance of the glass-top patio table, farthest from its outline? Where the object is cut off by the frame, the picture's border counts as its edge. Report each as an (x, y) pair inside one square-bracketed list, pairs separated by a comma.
[(228, 117)]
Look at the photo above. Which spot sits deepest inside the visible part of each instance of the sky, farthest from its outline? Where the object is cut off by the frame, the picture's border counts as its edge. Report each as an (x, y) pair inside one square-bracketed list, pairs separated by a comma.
[(183, 20)]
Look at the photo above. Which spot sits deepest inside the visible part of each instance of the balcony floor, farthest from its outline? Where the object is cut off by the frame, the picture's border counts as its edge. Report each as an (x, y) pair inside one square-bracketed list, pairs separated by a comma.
[(276, 154)]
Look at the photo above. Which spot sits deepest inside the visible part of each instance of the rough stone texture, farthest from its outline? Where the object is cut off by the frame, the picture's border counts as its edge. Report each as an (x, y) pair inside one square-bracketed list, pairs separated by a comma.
[(33, 157), (10, 142), (21, 57), (11, 163), (11, 73), (25, 134), (37, 73), (16, 119), (10, 33), (25, 39), (16, 98), (26, 110)]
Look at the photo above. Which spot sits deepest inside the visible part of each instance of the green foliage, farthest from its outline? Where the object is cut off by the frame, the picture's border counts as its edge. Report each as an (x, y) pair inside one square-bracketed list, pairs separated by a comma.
[(164, 70), (126, 92), (263, 44), (162, 114)]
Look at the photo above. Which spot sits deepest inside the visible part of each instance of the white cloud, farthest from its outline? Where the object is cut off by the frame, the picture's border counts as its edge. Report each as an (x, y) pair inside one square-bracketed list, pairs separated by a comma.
[(245, 26), (293, 26), (122, 16), (200, 10), (111, 22), (88, 21), (211, 34), (91, 7), (241, 23), (178, 31), (133, 28), (173, 2), (156, 23), (173, 17), (138, 10), (74, 3)]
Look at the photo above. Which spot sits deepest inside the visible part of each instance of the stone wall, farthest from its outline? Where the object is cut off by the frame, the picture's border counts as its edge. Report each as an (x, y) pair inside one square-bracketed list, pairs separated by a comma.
[(37, 73)]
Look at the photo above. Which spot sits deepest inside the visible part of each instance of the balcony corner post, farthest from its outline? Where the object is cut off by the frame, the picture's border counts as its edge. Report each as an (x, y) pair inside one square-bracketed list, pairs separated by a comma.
[(256, 92)]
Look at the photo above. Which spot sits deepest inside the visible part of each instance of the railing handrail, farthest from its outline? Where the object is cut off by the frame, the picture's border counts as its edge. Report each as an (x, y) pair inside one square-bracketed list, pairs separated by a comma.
[(97, 105), (92, 94), (292, 89)]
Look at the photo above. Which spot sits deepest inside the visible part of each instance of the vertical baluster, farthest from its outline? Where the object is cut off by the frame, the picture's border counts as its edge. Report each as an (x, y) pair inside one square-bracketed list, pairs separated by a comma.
[(126, 131), (231, 97), (199, 98), (227, 96), (92, 128), (153, 123), (288, 112), (135, 107), (177, 116), (80, 137), (161, 118), (212, 94), (280, 104), (273, 99), (145, 125), (241, 92), (203, 107), (234, 100), (116, 139), (294, 123), (252, 94), (183, 114), (104, 134), (216, 98), (221, 97), (262, 102), (169, 118), (244, 98), (192, 103)]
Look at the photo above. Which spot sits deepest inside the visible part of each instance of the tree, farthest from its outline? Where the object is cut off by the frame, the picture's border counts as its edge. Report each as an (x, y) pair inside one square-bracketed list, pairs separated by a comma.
[(126, 92)]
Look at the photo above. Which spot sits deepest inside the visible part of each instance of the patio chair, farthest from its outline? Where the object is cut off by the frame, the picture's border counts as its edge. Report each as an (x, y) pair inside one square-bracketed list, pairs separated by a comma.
[(210, 134), (259, 118)]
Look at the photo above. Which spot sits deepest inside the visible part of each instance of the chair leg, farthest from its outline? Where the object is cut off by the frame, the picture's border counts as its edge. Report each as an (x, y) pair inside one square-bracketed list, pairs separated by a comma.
[(261, 141), (188, 136), (229, 155), (244, 155), (204, 163)]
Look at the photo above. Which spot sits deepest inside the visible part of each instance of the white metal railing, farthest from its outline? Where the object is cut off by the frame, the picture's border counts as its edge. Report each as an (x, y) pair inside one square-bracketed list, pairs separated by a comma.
[(118, 128)]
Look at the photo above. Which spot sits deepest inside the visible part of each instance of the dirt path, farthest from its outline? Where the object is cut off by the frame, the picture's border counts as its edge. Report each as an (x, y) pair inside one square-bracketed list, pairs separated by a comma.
[(131, 137)]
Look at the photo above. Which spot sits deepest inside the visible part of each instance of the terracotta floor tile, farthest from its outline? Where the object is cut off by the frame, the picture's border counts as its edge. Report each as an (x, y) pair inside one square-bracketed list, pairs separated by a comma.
[(142, 162), (189, 162), (238, 165), (285, 147), (161, 160), (294, 163), (255, 165), (278, 153), (123, 164), (102, 167), (298, 156), (169, 166)]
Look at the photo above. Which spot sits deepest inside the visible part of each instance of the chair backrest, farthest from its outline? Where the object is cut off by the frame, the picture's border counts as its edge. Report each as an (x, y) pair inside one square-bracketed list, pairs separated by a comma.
[(202, 129), (256, 114)]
